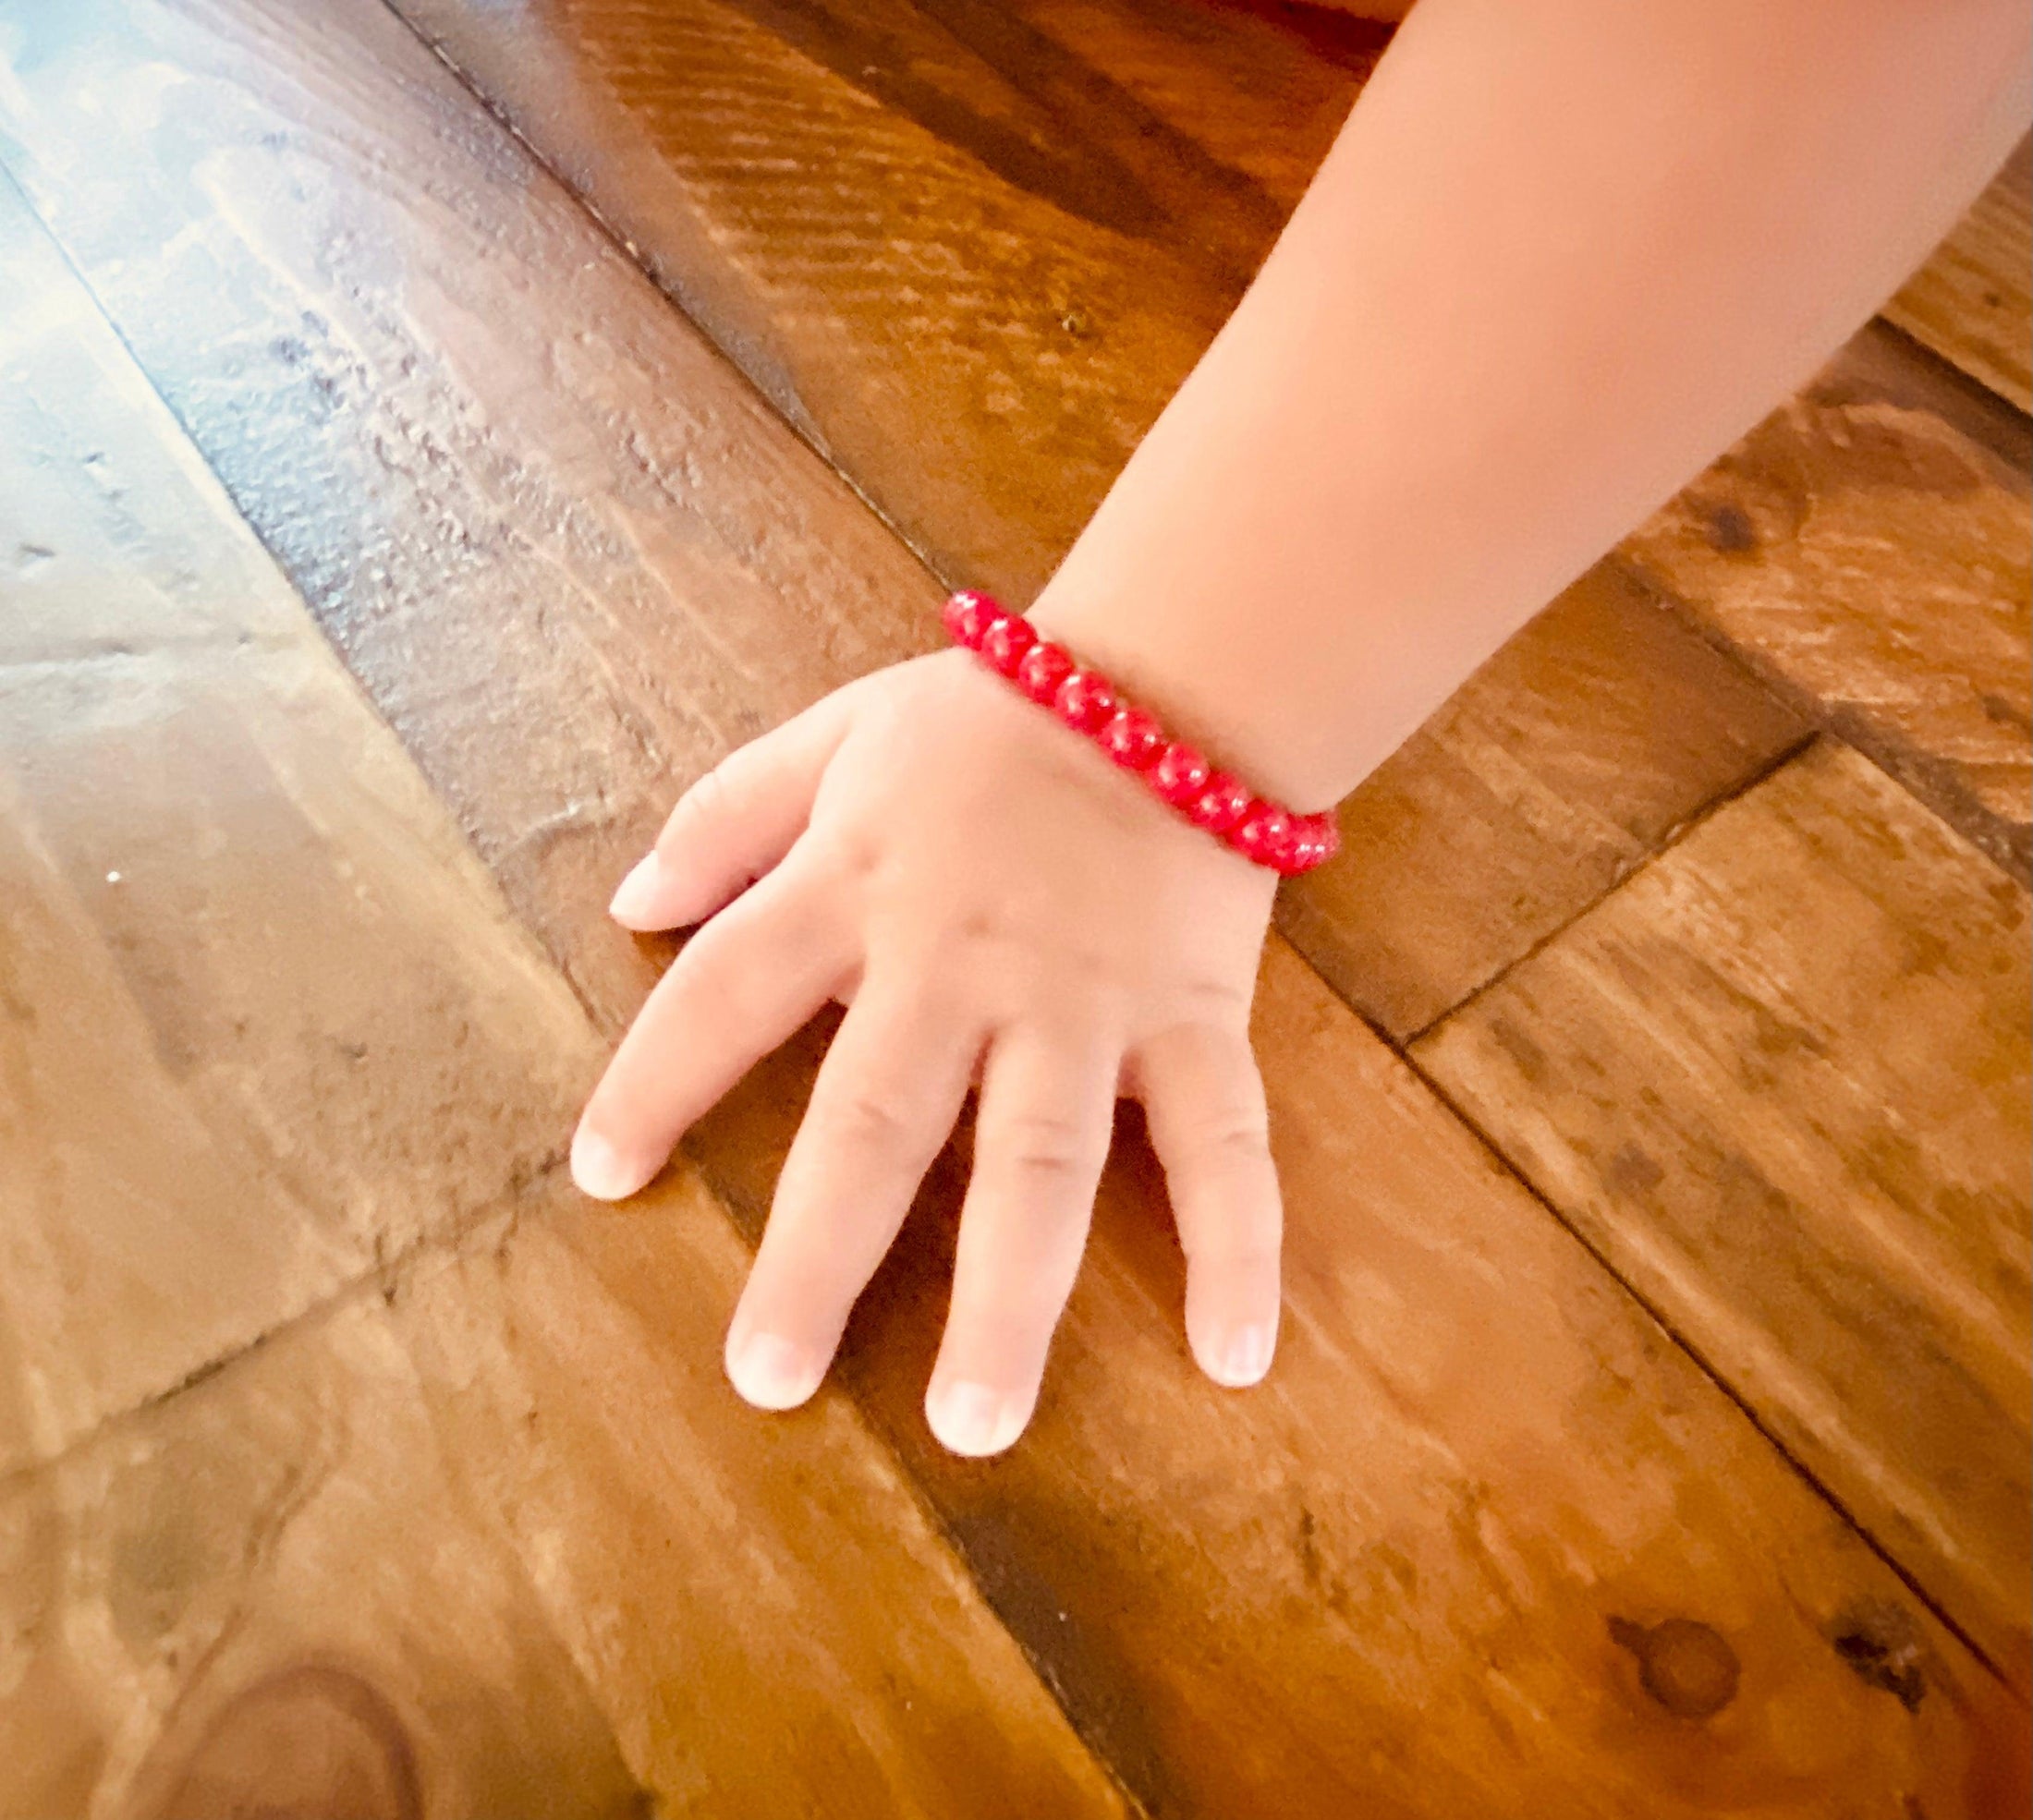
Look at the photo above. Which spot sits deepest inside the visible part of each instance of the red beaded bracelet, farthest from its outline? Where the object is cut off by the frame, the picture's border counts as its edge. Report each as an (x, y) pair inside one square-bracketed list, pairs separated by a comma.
[(1088, 702)]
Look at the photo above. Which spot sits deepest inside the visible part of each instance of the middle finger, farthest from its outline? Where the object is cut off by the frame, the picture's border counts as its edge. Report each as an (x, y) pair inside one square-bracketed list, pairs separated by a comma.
[(884, 1101)]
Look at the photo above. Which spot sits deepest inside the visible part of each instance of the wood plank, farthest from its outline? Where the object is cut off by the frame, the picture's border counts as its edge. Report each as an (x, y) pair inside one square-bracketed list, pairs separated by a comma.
[(790, 194), (266, 1596), (500, 1542), (487, 1533), (968, 260), (765, 1608), (1972, 303), (1386, 1583), (1541, 783), (1781, 1081), (1864, 548), (1394, 1582), (189, 787), (573, 503), (1289, 75), (1568, 761)]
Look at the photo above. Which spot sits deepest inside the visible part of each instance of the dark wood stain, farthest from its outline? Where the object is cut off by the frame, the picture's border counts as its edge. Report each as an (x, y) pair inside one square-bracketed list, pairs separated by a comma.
[(1884, 1648), (1731, 530)]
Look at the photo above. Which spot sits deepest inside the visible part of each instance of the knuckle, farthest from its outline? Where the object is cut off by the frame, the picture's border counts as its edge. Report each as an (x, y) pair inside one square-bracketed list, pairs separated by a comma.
[(1046, 1149), (1235, 1257), (854, 852), (1236, 1141), (1225, 1003), (1044, 1169), (868, 1120)]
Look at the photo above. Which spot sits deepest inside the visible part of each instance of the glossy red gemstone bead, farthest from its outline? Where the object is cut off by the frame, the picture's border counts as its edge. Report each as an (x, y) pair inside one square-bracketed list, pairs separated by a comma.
[(969, 616), (1085, 701), (1219, 807), (1045, 665), (1132, 739), (1315, 839), (1005, 643), (1264, 834), (1180, 775)]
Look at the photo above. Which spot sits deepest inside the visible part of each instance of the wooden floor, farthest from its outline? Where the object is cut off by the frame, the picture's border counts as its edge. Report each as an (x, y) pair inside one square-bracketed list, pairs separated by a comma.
[(415, 467)]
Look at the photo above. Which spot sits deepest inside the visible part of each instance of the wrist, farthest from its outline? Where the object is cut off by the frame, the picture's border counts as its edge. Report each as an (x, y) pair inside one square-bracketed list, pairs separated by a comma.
[(1190, 673), (1262, 828)]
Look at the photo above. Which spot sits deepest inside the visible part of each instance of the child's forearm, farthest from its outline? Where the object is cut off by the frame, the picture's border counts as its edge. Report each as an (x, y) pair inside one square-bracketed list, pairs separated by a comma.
[(1564, 254)]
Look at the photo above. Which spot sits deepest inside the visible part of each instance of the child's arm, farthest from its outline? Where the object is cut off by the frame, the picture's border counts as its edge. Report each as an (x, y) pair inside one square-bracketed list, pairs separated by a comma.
[(1564, 254), (1564, 251)]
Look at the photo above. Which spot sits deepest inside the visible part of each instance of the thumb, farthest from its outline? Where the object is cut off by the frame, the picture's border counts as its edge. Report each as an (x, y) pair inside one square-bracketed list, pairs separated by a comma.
[(734, 823)]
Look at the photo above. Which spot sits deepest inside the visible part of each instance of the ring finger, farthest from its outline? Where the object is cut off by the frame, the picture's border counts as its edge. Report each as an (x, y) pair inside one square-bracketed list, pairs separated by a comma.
[(1048, 1103)]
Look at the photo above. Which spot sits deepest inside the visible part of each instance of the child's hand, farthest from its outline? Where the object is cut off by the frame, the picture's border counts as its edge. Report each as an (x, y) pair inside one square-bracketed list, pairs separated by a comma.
[(996, 902)]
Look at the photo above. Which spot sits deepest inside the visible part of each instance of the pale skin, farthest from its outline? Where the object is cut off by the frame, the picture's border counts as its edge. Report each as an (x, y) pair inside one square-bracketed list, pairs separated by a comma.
[(1562, 254)]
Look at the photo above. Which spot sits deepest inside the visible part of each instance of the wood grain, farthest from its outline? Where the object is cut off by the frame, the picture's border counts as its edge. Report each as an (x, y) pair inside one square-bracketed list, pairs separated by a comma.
[(1865, 549), (1565, 763), (343, 1520), (1487, 1544), (764, 1605), (1781, 1081), (322, 1056), (1972, 303), (265, 1596), (498, 1541), (502, 473)]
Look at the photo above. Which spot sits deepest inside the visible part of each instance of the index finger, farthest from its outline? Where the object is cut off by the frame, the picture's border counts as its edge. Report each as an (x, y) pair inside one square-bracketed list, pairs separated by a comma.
[(743, 985)]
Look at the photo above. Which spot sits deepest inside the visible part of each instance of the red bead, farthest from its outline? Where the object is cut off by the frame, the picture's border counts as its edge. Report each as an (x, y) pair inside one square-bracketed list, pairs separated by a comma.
[(1264, 833), (1085, 701), (1132, 739), (1315, 839), (1219, 807), (1005, 642), (1180, 775), (970, 615), (1045, 665)]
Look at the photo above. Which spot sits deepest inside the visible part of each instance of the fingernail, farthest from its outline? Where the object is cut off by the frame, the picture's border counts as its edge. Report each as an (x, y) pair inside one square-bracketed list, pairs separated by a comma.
[(1247, 1356), (602, 1170), (635, 898), (973, 1419), (771, 1373)]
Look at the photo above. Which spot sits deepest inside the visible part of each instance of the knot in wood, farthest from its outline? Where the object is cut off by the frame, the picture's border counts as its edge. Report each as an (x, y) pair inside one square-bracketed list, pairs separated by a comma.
[(1685, 1664)]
